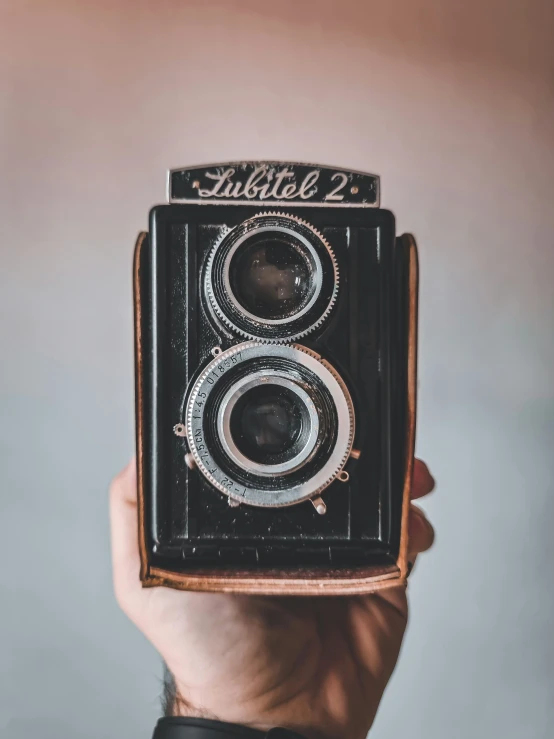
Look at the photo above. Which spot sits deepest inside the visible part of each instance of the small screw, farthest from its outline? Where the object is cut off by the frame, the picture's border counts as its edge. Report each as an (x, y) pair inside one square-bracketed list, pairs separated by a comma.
[(190, 461), (354, 189), (179, 429), (319, 505), (196, 184), (216, 351)]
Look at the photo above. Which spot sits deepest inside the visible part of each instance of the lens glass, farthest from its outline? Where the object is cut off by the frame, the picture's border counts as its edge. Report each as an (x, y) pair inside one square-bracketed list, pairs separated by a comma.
[(268, 424), (271, 275)]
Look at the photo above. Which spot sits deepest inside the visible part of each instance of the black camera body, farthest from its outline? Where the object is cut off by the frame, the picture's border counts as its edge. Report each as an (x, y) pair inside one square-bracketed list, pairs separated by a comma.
[(275, 314)]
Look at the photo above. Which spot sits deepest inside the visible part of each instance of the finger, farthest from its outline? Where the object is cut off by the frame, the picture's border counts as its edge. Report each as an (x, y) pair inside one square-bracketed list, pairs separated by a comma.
[(422, 480), (421, 534), (124, 533)]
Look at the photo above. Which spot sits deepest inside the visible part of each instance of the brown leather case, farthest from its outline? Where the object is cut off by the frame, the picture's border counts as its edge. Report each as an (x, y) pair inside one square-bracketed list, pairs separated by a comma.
[(352, 581)]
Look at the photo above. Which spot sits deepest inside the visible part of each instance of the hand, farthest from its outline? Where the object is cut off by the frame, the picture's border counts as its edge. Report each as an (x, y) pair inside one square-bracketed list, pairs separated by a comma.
[(318, 666)]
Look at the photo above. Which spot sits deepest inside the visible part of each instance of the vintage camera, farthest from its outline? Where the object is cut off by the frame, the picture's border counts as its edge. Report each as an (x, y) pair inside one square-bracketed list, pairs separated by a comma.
[(275, 317)]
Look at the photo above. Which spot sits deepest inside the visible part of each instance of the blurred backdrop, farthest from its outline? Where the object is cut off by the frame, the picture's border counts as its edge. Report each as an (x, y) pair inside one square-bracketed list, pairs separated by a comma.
[(452, 104)]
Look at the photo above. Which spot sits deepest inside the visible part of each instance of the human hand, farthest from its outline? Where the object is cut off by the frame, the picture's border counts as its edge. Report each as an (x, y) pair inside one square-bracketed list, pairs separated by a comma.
[(317, 666)]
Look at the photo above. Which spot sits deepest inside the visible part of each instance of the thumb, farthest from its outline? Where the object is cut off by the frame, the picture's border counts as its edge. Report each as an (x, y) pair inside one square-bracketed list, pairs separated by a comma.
[(124, 534)]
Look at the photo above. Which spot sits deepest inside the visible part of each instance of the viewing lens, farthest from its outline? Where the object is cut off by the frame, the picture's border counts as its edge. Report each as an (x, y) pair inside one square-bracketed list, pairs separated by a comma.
[(269, 423), (272, 276)]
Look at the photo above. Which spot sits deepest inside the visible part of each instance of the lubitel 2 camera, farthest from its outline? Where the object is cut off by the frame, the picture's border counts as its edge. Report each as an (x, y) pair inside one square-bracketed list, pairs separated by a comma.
[(275, 325)]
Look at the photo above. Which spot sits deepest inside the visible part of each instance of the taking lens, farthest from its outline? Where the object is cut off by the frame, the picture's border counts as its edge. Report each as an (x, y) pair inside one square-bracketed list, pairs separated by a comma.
[(272, 276), (267, 423)]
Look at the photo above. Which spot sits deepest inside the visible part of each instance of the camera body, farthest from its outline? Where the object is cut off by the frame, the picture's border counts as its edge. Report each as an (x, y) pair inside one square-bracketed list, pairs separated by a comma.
[(275, 326)]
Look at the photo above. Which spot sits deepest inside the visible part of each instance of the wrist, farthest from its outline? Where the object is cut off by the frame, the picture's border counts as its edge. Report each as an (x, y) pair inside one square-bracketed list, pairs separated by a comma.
[(295, 716), (178, 727)]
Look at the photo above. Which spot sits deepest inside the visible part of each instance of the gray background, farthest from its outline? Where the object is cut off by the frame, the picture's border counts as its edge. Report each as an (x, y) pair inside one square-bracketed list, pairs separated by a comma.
[(452, 104)]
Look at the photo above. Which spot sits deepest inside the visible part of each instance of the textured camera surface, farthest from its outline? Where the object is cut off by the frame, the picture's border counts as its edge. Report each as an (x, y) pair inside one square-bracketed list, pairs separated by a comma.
[(272, 304)]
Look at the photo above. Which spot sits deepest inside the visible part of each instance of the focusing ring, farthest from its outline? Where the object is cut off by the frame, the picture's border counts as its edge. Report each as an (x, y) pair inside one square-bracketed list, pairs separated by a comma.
[(291, 327), (207, 453)]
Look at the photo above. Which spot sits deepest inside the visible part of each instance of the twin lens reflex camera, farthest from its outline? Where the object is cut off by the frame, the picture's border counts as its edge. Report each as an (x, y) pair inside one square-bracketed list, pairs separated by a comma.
[(275, 334)]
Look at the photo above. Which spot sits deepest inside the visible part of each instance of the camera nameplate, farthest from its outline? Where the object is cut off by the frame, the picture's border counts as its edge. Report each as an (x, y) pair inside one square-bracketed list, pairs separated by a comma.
[(273, 183)]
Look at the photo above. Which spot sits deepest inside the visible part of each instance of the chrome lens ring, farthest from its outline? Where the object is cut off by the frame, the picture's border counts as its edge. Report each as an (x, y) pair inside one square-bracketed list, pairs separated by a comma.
[(285, 488), (307, 312), (228, 404)]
